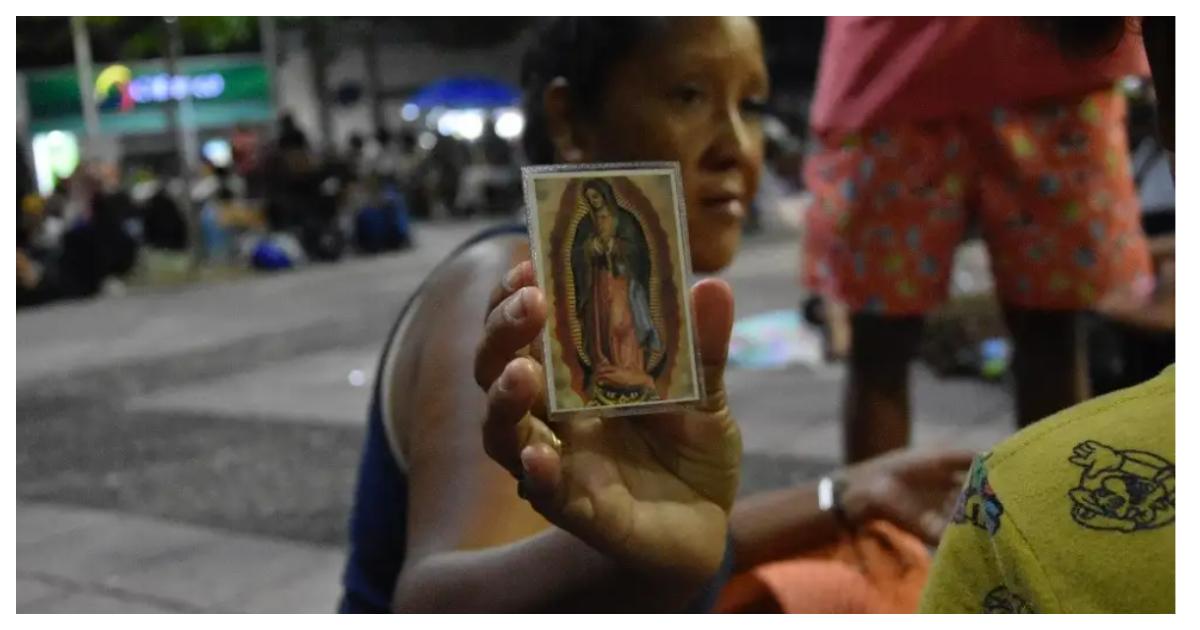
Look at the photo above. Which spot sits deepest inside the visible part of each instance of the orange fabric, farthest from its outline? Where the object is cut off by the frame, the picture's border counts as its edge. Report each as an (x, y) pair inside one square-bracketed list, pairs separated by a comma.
[(1050, 185), (832, 581)]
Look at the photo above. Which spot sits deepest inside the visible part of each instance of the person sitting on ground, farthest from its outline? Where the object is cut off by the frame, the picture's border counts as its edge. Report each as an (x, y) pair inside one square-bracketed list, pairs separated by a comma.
[(436, 525), (37, 278), (98, 251), (164, 224)]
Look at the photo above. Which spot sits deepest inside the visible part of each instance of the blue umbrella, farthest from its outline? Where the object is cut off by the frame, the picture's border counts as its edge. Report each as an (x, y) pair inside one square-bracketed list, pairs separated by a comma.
[(466, 93)]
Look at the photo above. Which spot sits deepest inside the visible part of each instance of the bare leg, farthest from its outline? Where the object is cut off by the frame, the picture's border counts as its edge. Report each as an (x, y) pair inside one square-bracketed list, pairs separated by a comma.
[(1049, 362), (837, 322), (875, 413), (833, 318)]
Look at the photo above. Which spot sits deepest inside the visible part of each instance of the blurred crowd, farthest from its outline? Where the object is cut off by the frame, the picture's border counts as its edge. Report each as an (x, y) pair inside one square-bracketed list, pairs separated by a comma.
[(280, 203)]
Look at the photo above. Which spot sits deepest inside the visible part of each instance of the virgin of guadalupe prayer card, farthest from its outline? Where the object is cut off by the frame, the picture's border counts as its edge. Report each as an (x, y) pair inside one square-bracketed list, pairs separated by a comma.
[(610, 246)]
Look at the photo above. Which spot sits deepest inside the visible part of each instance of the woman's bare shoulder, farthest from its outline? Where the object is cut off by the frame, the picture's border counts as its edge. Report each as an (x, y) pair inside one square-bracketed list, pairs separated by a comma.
[(465, 281), (435, 348)]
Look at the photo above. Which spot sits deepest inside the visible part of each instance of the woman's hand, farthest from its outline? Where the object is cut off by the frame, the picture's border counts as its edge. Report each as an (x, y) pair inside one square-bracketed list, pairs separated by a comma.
[(653, 492), (914, 490), (597, 246)]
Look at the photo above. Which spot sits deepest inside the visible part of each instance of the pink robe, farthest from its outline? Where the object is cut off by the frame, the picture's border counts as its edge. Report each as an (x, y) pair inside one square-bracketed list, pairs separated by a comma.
[(614, 320)]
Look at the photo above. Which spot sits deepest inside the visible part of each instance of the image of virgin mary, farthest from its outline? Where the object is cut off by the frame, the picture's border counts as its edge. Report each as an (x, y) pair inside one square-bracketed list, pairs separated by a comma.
[(610, 262)]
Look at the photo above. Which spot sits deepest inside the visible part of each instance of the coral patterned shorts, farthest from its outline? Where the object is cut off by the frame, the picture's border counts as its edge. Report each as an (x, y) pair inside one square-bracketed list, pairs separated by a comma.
[(1049, 185)]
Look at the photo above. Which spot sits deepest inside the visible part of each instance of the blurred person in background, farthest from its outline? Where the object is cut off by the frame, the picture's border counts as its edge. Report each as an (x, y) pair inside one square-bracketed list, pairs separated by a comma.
[(95, 249), (219, 245), (290, 136), (26, 183), (292, 178), (436, 525), (37, 277), (381, 223), (1076, 514), (321, 232), (471, 196), (164, 227), (924, 125), (50, 223), (408, 174), (164, 231), (247, 160), (445, 166), (356, 156), (113, 251), (383, 156)]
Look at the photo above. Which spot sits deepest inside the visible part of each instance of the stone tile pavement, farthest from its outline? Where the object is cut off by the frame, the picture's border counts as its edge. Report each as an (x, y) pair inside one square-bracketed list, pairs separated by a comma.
[(92, 561), (161, 438)]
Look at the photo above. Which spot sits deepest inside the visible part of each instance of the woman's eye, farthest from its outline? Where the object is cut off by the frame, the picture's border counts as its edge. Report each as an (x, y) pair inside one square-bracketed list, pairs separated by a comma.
[(755, 106), (686, 95)]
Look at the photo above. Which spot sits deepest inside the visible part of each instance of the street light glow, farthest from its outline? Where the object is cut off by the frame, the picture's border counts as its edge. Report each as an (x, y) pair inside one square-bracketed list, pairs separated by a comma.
[(470, 125), (509, 125)]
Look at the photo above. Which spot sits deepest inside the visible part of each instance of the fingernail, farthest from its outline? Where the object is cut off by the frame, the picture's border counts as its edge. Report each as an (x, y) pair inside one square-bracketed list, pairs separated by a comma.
[(514, 309), (512, 277), (527, 455), (505, 383)]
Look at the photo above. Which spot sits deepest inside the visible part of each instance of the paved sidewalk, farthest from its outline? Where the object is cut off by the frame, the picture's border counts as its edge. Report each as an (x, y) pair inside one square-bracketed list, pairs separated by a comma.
[(89, 561), (161, 438), (102, 333)]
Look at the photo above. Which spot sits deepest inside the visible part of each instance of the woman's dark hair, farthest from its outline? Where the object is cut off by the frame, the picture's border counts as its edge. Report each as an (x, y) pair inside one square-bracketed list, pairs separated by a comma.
[(1085, 36), (583, 51)]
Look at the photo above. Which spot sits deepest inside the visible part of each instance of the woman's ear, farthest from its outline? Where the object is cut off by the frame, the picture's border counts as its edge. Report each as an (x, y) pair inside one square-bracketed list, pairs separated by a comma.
[(556, 102)]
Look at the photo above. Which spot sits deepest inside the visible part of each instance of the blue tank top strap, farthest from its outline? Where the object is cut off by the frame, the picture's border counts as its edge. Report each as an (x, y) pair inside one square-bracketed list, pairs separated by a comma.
[(379, 516)]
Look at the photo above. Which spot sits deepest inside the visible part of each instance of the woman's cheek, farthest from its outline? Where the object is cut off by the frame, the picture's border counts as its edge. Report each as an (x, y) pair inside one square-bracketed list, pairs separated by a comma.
[(714, 246)]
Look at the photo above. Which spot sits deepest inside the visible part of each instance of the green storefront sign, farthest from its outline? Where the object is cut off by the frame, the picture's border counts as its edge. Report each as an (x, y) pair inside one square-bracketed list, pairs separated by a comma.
[(132, 99)]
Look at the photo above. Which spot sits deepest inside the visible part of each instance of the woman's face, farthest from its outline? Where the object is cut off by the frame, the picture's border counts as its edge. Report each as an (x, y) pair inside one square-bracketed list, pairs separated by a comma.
[(693, 96), (595, 198)]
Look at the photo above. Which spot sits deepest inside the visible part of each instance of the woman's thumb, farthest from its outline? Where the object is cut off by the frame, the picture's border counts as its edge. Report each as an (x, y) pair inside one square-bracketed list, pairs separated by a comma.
[(712, 303)]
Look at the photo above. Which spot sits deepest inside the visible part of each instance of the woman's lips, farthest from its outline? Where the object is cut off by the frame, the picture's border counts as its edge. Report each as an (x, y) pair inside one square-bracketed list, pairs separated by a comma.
[(727, 207)]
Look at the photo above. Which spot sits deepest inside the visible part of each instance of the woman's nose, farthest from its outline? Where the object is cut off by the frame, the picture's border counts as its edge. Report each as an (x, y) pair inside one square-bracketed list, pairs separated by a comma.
[(734, 143)]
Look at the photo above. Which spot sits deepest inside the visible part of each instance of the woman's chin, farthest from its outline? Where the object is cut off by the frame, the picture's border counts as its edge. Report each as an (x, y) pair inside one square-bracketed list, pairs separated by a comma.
[(713, 255)]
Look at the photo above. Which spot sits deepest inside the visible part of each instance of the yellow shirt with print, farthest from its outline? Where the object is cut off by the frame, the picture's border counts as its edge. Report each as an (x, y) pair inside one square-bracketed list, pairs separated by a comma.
[(1075, 514)]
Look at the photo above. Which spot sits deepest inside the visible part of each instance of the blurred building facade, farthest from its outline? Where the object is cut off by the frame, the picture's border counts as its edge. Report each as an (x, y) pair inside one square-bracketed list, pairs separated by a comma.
[(367, 77), (406, 62)]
